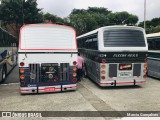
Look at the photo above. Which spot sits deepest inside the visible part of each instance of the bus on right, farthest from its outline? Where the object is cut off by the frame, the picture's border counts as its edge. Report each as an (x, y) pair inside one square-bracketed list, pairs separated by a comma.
[(154, 54), (115, 55)]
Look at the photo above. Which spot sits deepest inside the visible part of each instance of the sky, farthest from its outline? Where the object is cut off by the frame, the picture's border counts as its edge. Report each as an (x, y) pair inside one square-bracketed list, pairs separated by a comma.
[(63, 8)]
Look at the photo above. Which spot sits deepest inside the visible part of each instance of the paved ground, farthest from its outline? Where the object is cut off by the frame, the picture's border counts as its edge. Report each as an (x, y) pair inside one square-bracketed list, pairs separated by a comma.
[(88, 97)]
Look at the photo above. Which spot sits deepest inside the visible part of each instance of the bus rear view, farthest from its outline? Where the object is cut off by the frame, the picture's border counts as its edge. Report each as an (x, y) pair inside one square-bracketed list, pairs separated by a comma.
[(47, 58), (125, 56), (115, 55)]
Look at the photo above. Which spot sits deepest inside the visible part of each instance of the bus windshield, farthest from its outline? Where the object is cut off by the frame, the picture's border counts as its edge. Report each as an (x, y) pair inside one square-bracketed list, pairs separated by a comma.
[(123, 38)]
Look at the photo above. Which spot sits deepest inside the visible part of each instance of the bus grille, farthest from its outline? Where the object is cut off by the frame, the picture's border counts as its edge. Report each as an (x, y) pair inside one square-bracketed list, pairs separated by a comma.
[(137, 70), (64, 72), (112, 70), (35, 72)]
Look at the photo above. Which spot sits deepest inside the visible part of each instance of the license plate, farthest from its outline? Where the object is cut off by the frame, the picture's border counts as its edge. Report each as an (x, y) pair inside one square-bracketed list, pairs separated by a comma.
[(125, 75)]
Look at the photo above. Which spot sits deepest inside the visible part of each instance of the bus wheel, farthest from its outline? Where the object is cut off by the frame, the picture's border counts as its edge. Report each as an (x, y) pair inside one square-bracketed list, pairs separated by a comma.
[(3, 73)]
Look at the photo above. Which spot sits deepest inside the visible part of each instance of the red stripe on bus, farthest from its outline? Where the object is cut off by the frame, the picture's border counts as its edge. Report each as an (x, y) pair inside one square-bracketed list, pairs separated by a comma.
[(20, 47), (50, 88)]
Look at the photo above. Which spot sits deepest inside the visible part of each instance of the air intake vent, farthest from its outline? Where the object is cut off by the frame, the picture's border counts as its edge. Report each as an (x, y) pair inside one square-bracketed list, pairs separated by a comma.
[(137, 70), (34, 72), (113, 70), (64, 72)]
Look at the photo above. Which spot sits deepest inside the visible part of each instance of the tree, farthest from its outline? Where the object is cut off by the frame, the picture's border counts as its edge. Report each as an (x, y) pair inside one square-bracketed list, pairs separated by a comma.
[(87, 20), (120, 18), (52, 18), (15, 13), (152, 25), (94, 17), (83, 22)]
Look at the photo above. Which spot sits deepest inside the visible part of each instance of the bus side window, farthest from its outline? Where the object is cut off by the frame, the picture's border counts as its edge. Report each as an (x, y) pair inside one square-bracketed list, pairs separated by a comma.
[(90, 44), (157, 45), (83, 45), (94, 44), (150, 45)]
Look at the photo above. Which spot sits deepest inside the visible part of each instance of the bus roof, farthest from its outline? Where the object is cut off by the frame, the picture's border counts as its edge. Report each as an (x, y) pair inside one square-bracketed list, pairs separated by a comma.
[(153, 35)]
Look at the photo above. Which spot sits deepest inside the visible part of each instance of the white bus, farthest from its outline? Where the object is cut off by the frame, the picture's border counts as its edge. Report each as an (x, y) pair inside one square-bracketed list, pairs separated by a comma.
[(115, 55), (8, 53), (153, 40), (47, 58)]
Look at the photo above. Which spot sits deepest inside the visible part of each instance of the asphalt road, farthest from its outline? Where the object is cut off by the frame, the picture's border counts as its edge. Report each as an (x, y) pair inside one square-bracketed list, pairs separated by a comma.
[(88, 97)]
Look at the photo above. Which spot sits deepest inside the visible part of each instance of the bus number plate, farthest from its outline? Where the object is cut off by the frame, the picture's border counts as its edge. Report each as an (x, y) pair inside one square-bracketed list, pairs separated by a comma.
[(125, 74)]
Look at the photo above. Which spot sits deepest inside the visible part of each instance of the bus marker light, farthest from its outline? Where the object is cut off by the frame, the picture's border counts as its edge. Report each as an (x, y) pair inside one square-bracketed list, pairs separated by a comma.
[(103, 72), (74, 68), (145, 65), (74, 80), (103, 66), (22, 71), (104, 61), (145, 76), (102, 77), (22, 64), (74, 74), (74, 62), (145, 71), (22, 77)]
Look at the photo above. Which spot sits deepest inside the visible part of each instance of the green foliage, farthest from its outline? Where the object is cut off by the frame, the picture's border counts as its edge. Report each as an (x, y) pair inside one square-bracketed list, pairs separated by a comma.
[(86, 20), (120, 18), (15, 13), (53, 18), (152, 26), (83, 22), (12, 11)]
